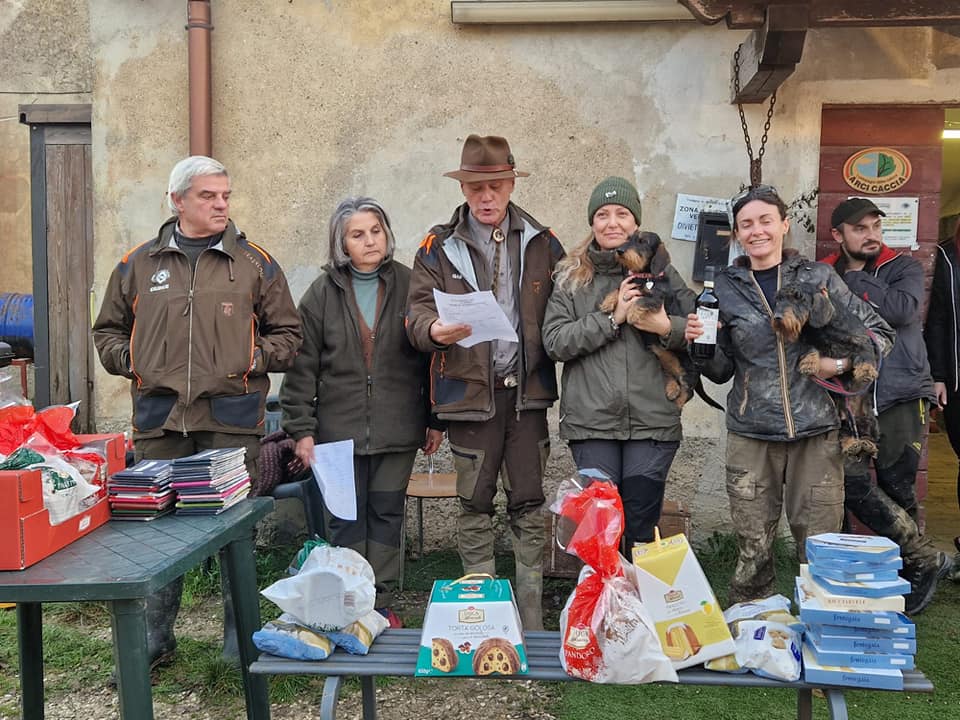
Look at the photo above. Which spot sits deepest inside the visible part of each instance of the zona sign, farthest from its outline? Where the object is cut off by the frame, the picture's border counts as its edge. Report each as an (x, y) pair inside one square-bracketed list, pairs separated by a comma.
[(877, 170)]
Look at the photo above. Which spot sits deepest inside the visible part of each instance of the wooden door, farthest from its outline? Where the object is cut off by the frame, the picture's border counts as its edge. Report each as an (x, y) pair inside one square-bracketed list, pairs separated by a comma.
[(61, 196), (915, 132)]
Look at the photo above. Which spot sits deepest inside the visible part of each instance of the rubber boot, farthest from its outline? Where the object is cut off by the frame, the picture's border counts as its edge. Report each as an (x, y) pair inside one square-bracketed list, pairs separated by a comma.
[(231, 648), (162, 609), (161, 614), (475, 543), (528, 534)]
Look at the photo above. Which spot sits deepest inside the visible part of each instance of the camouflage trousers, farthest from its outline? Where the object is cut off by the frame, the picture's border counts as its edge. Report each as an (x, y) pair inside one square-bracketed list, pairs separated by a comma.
[(803, 476), (889, 506)]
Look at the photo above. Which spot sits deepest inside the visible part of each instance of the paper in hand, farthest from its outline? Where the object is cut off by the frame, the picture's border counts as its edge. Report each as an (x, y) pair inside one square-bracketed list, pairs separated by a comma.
[(480, 311)]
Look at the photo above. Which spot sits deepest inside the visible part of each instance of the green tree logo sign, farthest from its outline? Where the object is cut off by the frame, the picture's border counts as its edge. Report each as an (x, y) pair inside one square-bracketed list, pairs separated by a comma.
[(877, 170)]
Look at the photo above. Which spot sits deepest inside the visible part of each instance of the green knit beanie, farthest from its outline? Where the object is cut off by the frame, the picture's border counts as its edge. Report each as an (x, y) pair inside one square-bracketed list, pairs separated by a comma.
[(614, 191)]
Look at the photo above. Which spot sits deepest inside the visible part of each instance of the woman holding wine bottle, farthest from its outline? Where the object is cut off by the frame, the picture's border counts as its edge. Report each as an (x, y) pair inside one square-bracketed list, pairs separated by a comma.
[(614, 411), (782, 445)]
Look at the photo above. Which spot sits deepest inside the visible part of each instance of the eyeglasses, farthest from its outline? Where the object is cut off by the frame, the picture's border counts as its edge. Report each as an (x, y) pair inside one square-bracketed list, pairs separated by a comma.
[(753, 190)]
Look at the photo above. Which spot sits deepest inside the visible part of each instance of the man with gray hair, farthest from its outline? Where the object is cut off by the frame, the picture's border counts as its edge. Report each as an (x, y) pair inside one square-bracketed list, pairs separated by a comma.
[(196, 318)]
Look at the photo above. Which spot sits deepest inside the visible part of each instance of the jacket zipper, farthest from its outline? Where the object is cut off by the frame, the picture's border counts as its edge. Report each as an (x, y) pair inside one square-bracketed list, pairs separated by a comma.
[(781, 362), (189, 311), (953, 309)]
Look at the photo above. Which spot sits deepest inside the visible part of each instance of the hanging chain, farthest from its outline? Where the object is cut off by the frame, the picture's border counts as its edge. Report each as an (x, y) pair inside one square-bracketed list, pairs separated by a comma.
[(756, 164)]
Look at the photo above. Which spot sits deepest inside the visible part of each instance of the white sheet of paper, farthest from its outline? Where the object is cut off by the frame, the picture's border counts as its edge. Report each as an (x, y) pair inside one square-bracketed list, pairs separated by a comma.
[(480, 311), (333, 469)]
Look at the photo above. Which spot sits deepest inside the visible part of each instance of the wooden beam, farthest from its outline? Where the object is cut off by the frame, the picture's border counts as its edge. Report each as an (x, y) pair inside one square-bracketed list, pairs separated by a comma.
[(770, 55), (58, 114), (750, 14)]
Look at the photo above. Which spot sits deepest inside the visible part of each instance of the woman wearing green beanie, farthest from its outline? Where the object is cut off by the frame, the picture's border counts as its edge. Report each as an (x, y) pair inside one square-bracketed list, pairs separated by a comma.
[(614, 411)]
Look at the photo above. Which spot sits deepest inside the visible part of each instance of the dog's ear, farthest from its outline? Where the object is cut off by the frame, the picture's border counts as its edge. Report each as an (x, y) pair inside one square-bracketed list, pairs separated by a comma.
[(661, 258), (821, 308)]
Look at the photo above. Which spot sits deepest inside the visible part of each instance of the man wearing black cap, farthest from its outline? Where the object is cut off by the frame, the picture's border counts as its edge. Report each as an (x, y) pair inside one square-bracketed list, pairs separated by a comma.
[(494, 395), (892, 282)]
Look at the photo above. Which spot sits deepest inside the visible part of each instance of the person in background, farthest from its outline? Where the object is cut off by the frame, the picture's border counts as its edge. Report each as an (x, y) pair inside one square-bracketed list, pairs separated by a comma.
[(892, 283), (614, 411), (942, 334), (358, 378), (782, 439), (196, 318), (494, 394)]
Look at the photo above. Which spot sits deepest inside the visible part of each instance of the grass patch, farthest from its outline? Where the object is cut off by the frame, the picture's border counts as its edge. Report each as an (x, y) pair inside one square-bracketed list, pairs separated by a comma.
[(78, 651)]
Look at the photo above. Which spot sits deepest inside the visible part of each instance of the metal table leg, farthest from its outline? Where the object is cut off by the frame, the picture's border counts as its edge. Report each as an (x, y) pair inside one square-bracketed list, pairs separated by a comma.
[(30, 638), (420, 524), (128, 618), (331, 695), (242, 572), (836, 704), (368, 690)]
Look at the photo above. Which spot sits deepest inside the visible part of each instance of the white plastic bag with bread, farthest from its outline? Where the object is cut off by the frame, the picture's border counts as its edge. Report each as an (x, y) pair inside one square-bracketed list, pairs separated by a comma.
[(606, 632)]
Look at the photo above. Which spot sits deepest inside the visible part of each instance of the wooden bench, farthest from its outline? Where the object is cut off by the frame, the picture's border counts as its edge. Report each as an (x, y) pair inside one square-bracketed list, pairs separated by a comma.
[(394, 653)]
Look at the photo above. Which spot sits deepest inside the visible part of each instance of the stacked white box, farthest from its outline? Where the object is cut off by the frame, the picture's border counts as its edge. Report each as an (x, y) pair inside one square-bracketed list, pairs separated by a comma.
[(850, 598)]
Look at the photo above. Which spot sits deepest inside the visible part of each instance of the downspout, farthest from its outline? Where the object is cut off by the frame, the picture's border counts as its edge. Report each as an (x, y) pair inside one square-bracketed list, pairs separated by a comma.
[(198, 62)]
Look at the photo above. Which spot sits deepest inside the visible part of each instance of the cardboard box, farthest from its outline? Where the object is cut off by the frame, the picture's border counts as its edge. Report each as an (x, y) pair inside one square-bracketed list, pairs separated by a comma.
[(26, 535), (674, 520), (817, 674), (472, 627), (813, 612), (681, 602), (835, 601), (829, 638)]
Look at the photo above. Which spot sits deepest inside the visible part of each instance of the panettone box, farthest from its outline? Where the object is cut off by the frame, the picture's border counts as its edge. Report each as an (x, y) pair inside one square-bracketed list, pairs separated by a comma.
[(675, 591), (26, 533), (472, 627)]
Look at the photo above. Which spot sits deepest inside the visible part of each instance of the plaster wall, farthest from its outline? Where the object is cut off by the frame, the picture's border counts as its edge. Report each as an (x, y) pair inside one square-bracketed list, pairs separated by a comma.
[(317, 100), (44, 58)]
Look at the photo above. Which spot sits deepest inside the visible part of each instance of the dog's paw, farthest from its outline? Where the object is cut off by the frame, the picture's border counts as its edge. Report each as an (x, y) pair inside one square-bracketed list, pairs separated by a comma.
[(864, 373), (672, 389), (858, 448), (609, 302), (809, 364)]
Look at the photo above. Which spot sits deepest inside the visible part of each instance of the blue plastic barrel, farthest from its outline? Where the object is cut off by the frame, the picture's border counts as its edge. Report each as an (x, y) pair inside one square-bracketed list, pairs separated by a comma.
[(16, 322)]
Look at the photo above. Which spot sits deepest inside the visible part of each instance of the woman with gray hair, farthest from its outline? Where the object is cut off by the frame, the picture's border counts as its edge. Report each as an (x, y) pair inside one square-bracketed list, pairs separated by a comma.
[(358, 378)]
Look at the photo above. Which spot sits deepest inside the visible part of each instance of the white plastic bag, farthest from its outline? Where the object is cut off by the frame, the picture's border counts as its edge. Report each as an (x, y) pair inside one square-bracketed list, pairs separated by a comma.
[(623, 632), (335, 587)]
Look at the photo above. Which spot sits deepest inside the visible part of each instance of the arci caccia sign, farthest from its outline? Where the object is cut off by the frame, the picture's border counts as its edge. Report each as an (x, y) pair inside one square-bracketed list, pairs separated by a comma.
[(877, 170)]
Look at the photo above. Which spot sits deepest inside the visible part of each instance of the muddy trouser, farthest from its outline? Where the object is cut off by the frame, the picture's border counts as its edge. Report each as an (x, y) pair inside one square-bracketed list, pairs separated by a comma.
[(763, 477), (381, 485), (163, 606), (889, 506), (639, 468), (514, 446), (951, 420)]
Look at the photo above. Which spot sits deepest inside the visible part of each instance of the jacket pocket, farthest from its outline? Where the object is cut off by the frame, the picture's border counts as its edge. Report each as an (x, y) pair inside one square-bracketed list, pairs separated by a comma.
[(152, 411), (237, 410)]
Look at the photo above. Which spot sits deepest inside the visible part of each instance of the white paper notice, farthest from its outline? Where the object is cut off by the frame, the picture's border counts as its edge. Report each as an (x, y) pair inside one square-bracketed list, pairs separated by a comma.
[(480, 311), (333, 468)]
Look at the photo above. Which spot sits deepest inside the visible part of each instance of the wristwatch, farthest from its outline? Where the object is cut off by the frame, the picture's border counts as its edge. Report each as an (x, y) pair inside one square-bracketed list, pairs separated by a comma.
[(839, 366), (613, 322)]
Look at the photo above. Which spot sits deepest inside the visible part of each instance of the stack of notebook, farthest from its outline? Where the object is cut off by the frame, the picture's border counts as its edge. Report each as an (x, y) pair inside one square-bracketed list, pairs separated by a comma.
[(851, 601), (210, 481), (141, 492)]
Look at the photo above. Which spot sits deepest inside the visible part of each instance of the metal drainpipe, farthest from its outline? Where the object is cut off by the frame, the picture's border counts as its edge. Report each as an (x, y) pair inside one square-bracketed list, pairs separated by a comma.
[(198, 61)]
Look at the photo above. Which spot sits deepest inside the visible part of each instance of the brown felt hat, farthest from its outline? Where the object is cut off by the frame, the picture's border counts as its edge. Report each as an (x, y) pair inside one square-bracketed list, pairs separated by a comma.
[(485, 158)]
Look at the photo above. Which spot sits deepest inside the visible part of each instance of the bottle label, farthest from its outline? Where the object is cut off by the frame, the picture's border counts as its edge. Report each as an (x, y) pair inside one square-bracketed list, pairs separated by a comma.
[(709, 317)]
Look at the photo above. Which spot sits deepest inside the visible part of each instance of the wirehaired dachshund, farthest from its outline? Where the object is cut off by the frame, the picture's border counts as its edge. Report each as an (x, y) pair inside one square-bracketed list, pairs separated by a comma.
[(645, 258), (805, 311)]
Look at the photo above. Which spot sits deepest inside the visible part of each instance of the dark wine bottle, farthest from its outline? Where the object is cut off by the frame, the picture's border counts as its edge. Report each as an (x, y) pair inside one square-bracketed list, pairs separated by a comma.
[(708, 310)]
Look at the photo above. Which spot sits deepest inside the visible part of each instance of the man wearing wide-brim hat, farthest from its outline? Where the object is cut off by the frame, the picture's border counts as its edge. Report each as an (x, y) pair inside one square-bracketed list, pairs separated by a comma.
[(494, 395)]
